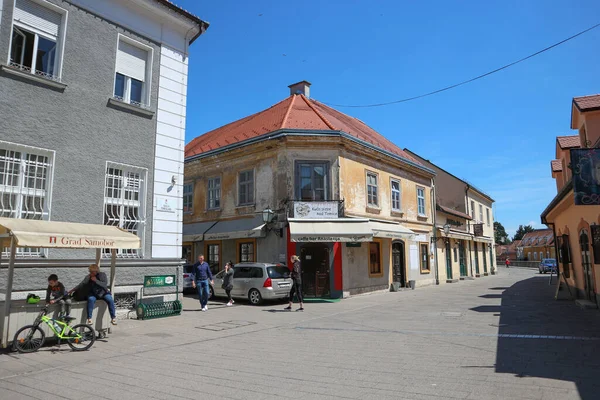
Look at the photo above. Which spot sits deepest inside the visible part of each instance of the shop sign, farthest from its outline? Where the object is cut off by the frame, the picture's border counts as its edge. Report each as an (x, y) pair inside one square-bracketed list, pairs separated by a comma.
[(344, 239), (165, 204), (478, 229), (159, 280), (316, 209), (586, 176), (353, 244)]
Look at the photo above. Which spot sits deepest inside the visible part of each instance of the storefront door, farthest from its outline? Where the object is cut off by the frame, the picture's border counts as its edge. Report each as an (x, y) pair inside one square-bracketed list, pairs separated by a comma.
[(584, 243), (462, 258), (476, 258), (484, 256), (315, 270), (398, 263)]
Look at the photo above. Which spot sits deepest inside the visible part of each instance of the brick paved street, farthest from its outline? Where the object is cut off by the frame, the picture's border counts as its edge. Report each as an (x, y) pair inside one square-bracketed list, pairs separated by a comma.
[(457, 341)]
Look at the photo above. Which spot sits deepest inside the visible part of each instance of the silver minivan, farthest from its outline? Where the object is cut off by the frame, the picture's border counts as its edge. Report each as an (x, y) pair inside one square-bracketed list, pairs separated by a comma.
[(256, 282)]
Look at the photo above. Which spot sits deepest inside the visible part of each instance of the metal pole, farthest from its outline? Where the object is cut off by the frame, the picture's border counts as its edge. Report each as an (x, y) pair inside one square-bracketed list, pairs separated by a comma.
[(113, 264), (7, 295), (98, 256)]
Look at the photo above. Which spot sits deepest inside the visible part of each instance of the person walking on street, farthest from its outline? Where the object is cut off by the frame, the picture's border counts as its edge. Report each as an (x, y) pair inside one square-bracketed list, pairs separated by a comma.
[(507, 263), (228, 282), (296, 283), (201, 276)]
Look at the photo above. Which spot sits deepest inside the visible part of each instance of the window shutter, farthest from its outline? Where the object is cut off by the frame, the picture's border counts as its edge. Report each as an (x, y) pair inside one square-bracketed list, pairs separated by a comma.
[(38, 17), (131, 61)]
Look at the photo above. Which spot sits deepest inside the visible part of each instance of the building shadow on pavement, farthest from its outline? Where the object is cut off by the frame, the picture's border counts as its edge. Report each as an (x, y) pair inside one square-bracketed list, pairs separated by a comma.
[(541, 337)]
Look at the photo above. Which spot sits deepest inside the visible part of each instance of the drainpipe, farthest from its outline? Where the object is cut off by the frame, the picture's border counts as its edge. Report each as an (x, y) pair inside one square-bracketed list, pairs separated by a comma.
[(433, 209), (469, 230)]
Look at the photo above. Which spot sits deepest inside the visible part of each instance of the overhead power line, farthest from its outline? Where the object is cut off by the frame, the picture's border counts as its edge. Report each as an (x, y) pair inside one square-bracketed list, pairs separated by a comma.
[(469, 80)]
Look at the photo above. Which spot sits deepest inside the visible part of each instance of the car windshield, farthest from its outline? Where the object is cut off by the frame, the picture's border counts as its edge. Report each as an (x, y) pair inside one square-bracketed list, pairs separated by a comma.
[(278, 272), (550, 261)]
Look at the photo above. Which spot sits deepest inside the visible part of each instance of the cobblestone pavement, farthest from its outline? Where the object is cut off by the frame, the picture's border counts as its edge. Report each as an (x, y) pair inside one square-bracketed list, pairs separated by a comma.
[(497, 337)]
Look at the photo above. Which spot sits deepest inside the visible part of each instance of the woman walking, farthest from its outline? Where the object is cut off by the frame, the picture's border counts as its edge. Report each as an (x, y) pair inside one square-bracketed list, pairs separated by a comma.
[(228, 282), (296, 283)]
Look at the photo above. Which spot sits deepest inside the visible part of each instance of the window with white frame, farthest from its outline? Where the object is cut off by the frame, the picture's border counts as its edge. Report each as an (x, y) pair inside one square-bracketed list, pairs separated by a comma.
[(36, 39), (246, 188), (396, 205), (133, 72), (487, 213), (421, 201), (25, 185), (188, 197), (125, 202), (214, 193), (480, 214), (372, 190)]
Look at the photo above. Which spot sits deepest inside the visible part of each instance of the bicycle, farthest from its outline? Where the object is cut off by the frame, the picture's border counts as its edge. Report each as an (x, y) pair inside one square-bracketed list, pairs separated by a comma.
[(30, 338)]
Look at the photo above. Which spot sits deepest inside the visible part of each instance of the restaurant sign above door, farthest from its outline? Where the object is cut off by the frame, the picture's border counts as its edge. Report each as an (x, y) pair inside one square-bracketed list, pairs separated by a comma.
[(316, 209)]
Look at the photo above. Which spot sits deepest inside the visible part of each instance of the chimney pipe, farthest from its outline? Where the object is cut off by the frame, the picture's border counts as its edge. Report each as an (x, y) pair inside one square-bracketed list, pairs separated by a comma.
[(302, 87)]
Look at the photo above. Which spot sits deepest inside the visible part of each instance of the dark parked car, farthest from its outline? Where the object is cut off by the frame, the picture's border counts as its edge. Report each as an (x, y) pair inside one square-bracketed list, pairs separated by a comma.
[(547, 265)]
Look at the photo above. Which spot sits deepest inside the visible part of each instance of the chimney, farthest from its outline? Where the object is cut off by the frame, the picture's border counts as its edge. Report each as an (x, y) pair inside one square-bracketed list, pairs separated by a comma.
[(302, 87)]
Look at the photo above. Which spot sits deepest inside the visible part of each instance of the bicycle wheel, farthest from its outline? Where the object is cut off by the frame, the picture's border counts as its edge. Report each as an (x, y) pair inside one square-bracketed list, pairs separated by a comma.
[(29, 339), (81, 337)]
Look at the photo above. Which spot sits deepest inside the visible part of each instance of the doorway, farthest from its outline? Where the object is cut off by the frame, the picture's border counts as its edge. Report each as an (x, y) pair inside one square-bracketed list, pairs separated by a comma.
[(315, 270), (398, 263), (584, 244), (448, 260), (462, 259), (476, 258), (484, 256)]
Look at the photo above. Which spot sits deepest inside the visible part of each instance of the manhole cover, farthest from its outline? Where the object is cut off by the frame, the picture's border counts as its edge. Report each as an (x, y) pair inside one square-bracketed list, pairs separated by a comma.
[(222, 326)]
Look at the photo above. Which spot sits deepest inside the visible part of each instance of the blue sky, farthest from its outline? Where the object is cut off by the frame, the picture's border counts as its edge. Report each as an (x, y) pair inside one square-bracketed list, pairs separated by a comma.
[(498, 132)]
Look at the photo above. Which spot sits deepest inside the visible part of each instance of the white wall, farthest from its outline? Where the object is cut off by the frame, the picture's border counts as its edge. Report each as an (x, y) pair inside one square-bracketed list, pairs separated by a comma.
[(170, 144)]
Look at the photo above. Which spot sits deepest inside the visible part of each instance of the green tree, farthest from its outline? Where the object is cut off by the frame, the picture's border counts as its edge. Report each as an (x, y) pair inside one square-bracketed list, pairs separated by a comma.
[(522, 231), (500, 234)]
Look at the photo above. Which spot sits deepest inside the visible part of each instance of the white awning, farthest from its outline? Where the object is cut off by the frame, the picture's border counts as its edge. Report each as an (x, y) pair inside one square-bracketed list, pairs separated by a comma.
[(240, 228), (70, 235), (330, 230), (455, 234), (390, 230)]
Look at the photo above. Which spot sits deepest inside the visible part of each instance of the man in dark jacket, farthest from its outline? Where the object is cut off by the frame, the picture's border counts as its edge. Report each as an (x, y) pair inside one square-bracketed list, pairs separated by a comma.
[(201, 276), (96, 286)]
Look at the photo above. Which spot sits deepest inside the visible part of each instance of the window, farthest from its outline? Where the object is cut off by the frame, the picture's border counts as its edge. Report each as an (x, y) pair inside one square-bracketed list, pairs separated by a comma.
[(242, 272), (535, 255), (480, 214), (372, 198), (395, 195), (424, 257), (312, 180), (35, 44), (25, 185), (487, 213), (473, 209), (132, 73), (187, 253), (245, 251), (125, 202), (213, 256), (547, 254), (375, 259), (278, 272), (188, 197), (421, 201), (246, 188), (214, 193)]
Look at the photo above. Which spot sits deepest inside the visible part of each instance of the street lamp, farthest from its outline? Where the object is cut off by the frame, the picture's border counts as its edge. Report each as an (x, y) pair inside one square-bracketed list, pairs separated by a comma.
[(268, 215), (447, 229)]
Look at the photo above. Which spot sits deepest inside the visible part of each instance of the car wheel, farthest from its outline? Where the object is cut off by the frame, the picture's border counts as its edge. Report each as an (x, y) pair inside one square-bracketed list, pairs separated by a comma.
[(540, 270), (254, 297)]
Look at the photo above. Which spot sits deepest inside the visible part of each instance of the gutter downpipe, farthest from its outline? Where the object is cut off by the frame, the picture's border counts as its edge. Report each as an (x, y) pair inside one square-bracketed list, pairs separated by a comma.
[(433, 211), (469, 229)]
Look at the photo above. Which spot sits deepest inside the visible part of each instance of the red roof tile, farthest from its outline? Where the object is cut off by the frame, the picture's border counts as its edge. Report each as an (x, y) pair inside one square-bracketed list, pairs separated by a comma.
[(294, 112), (556, 165), (587, 103), (568, 142)]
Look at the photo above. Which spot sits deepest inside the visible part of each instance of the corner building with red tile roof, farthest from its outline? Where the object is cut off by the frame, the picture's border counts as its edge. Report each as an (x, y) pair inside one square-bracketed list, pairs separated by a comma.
[(301, 178)]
